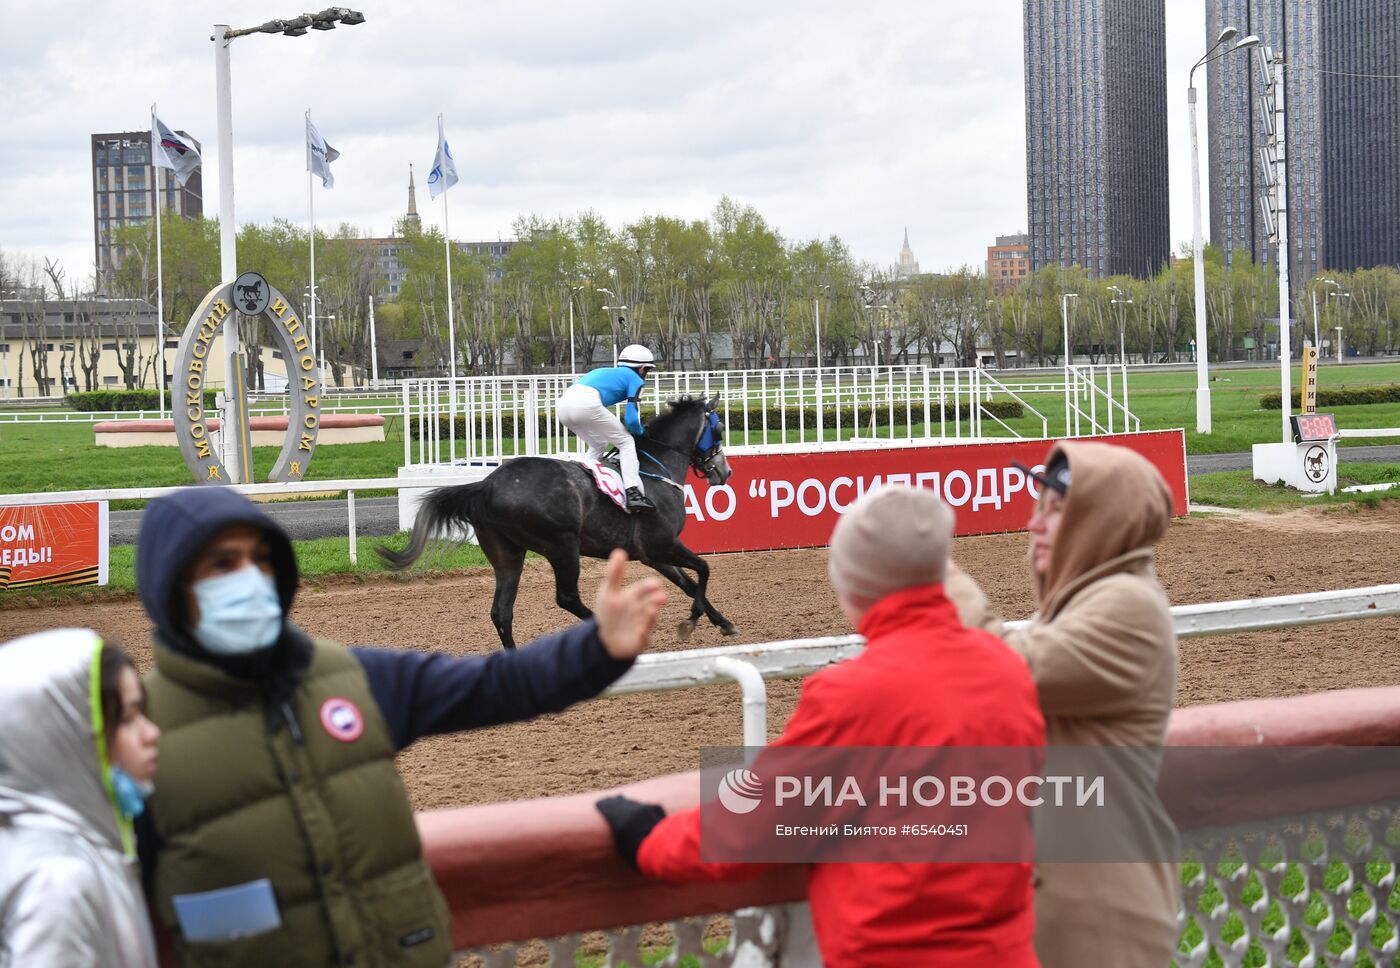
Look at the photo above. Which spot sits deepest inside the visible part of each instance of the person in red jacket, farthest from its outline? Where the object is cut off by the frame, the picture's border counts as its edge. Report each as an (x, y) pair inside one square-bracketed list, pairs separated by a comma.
[(923, 680)]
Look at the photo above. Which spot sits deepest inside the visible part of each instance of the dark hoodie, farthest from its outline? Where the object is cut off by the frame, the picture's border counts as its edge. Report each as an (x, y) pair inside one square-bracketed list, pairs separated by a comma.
[(420, 694)]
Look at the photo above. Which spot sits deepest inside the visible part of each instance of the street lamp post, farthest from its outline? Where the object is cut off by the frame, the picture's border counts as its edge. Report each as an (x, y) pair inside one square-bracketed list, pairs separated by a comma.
[(619, 308), (573, 366), (228, 229), (1339, 296), (309, 296), (5, 353), (373, 347), (817, 317), (1317, 342), (1122, 300), (321, 349), (869, 299), (1276, 207), (1064, 321), (1203, 415)]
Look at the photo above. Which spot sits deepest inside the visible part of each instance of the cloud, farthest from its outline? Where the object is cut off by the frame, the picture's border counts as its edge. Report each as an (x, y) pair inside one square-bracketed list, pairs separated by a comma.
[(832, 119)]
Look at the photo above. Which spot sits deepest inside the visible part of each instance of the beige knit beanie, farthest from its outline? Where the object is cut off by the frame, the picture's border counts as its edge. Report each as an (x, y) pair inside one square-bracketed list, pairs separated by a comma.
[(892, 538)]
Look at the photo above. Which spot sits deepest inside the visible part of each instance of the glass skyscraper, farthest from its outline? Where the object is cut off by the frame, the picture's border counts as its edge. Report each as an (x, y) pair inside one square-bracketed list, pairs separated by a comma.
[(1361, 121), (1343, 132), (1096, 135), (124, 187)]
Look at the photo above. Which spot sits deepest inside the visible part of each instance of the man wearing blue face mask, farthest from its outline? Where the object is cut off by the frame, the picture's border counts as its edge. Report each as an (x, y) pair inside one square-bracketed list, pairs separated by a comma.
[(280, 822)]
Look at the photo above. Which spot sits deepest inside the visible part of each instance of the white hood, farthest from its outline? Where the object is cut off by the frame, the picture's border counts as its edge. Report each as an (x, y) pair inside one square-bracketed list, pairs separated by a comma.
[(69, 892), (50, 770)]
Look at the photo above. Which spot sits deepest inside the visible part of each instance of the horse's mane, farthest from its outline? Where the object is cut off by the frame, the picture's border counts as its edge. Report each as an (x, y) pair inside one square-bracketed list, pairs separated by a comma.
[(679, 407)]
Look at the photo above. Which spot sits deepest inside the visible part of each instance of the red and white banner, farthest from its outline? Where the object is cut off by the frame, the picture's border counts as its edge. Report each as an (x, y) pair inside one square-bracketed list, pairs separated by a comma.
[(793, 500), (53, 544)]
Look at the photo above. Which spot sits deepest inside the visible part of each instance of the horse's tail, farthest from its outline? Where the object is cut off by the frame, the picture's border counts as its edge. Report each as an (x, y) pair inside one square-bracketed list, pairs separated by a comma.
[(441, 510)]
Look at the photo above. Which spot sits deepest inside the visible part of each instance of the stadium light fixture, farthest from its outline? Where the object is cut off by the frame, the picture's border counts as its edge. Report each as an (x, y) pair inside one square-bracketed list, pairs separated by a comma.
[(1203, 413), (228, 226)]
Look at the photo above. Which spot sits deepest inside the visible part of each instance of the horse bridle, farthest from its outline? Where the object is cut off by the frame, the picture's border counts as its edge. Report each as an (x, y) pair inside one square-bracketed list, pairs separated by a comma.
[(703, 462)]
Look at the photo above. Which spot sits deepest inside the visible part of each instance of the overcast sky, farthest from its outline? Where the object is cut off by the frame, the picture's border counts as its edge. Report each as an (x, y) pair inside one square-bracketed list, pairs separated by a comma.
[(830, 117)]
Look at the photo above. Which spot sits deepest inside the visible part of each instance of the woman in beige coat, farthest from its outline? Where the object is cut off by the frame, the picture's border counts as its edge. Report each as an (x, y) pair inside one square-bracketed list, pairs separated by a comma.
[(1102, 653)]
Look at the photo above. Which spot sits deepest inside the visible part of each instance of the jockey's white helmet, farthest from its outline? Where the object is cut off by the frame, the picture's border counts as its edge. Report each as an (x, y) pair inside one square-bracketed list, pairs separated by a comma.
[(636, 356)]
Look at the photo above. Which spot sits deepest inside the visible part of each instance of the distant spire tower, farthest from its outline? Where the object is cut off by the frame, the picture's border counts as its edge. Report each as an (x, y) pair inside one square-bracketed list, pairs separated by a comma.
[(411, 219), (908, 266)]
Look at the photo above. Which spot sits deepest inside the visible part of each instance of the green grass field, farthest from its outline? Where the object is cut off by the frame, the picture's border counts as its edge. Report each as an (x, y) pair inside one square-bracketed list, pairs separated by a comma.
[(1168, 400), (1236, 489), (62, 456), (316, 558)]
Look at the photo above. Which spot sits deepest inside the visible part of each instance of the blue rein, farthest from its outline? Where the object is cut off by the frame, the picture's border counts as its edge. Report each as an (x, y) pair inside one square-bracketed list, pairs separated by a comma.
[(709, 440), (663, 476)]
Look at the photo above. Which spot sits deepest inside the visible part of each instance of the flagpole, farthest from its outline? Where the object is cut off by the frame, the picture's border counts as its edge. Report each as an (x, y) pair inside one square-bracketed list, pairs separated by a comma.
[(160, 268), (373, 351), (451, 324), (311, 218)]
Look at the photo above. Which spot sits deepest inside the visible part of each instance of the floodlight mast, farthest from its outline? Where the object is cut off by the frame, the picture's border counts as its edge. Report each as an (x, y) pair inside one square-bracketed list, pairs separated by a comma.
[(228, 230)]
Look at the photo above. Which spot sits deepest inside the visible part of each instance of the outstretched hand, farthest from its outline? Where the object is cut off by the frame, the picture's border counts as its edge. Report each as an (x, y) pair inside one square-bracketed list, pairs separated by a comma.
[(626, 615)]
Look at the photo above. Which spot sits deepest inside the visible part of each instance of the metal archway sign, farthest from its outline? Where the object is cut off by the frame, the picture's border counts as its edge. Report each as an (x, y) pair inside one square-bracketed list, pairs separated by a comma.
[(251, 295)]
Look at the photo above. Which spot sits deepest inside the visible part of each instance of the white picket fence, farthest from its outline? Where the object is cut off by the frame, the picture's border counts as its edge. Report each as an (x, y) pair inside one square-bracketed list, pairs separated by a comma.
[(495, 417)]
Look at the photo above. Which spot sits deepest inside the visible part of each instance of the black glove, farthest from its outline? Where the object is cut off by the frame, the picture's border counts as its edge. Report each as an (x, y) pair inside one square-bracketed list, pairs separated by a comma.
[(630, 823)]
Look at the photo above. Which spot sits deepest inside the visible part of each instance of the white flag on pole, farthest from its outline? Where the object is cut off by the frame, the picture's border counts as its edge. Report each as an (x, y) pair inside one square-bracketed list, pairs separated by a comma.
[(319, 155), (444, 171), (169, 150)]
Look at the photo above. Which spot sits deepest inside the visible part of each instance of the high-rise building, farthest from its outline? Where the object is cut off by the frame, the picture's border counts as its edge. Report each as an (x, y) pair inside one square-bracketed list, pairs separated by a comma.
[(1096, 135), (907, 267), (411, 221), (1009, 260), (387, 252), (1361, 118), (1237, 134), (1342, 128), (124, 186)]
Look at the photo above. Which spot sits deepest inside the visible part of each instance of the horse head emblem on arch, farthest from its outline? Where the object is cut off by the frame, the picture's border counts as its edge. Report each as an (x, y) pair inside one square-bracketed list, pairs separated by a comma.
[(553, 508)]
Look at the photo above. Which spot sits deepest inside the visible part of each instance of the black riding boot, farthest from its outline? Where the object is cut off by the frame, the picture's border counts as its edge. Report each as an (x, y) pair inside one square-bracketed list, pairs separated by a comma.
[(637, 501)]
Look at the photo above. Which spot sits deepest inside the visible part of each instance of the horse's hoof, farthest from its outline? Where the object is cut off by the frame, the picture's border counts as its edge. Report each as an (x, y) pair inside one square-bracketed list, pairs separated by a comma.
[(685, 629), (728, 630)]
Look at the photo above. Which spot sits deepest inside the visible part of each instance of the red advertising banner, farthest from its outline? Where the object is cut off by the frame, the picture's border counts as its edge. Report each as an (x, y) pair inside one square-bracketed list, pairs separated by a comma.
[(53, 544), (793, 500)]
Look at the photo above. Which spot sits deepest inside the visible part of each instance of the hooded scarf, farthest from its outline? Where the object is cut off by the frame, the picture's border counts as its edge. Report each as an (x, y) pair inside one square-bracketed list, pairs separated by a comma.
[(1117, 504), (173, 530), (58, 815)]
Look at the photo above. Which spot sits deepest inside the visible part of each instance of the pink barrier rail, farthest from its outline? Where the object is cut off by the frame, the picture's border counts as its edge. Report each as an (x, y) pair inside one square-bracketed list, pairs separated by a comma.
[(545, 868)]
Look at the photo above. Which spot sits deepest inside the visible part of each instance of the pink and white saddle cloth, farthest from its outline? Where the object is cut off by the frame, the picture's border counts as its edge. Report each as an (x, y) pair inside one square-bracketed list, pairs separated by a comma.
[(608, 479)]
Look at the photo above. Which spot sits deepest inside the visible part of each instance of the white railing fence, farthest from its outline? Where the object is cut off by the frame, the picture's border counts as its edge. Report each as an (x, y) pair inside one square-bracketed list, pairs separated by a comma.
[(782, 935), (497, 417), (795, 658), (279, 489), (1089, 388)]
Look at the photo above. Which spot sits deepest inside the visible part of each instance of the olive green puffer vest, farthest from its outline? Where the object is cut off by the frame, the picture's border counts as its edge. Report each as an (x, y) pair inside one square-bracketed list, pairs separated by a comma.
[(316, 807)]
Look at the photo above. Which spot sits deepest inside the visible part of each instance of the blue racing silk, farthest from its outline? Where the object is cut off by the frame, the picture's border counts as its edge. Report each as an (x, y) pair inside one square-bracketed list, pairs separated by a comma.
[(614, 385)]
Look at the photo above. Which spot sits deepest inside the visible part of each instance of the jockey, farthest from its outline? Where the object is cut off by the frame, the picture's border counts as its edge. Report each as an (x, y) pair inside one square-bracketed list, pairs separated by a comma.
[(583, 408)]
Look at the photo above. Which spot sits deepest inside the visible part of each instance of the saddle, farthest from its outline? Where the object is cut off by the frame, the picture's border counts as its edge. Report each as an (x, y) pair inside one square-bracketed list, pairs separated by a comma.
[(608, 478)]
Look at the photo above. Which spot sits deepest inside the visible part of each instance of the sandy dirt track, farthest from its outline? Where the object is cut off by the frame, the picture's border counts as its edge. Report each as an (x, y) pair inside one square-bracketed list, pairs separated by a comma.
[(785, 595)]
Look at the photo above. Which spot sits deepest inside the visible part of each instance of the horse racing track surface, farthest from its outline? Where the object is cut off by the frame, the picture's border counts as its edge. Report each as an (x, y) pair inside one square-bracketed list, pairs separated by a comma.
[(785, 595)]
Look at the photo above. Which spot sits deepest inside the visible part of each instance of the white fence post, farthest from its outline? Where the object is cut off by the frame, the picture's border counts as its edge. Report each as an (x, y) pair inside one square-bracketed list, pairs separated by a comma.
[(350, 509), (755, 695)]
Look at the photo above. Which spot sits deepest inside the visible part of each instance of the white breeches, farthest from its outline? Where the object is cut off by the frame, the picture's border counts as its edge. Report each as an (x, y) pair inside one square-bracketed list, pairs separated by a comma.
[(582, 411)]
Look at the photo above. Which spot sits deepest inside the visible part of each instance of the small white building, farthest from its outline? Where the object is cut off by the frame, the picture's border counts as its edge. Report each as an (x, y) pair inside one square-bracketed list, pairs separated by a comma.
[(96, 344)]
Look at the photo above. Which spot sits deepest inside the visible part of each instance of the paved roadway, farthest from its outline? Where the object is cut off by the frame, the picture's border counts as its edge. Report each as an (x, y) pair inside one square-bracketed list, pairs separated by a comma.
[(380, 515)]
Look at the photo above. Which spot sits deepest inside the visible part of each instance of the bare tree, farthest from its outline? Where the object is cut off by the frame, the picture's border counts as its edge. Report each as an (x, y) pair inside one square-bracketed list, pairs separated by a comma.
[(131, 355)]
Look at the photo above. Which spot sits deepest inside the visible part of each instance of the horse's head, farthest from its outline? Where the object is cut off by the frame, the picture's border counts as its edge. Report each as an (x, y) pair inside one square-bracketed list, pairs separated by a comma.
[(692, 429), (709, 460)]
